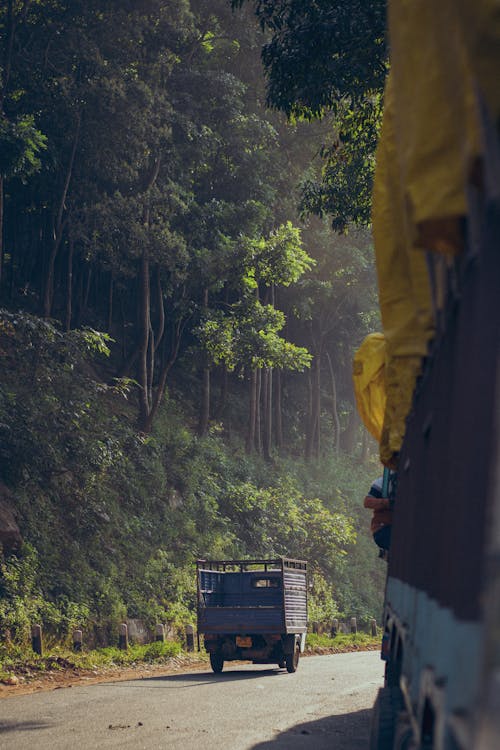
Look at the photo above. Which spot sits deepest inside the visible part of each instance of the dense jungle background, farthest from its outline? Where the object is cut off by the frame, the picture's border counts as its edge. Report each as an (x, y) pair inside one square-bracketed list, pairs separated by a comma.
[(185, 272)]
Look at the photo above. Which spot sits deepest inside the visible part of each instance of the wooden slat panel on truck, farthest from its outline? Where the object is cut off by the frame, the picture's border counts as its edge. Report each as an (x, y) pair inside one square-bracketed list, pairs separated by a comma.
[(241, 620), (295, 586)]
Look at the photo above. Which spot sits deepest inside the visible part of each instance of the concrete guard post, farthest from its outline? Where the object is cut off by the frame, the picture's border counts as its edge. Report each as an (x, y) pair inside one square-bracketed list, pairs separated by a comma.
[(354, 625), (160, 632), (77, 640), (190, 637), (36, 639), (123, 637)]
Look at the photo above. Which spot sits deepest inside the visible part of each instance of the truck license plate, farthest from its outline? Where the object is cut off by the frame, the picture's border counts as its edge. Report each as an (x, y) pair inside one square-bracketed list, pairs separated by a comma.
[(243, 642)]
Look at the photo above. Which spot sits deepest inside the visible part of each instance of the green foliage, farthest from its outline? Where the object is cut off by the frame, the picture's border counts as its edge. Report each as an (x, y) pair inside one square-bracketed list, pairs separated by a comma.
[(280, 259), (249, 337), (344, 191), (53, 393), (14, 659), (246, 335), (130, 551), (20, 146), (23, 603), (149, 653)]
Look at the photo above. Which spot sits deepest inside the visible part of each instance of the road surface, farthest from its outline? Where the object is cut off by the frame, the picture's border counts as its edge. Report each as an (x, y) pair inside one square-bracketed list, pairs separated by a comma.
[(324, 705)]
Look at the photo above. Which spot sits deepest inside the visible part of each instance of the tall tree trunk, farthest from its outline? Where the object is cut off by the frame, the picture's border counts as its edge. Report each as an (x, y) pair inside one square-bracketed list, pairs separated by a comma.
[(350, 433), (278, 414), (258, 412), (110, 301), (6, 66), (165, 369), (335, 413), (161, 309), (264, 382), (204, 416), (151, 358), (252, 413), (59, 225), (13, 253), (313, 438), (144, 333), (123, 326), (221, 408), (69, 285), (8, 46), (310, 416), (205, 403), (1, 228), (86, 291), (317, 406), (79, 294), (267, 412)]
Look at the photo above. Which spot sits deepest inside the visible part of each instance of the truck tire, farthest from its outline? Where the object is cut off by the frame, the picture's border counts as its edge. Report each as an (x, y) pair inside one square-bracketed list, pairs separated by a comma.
[(292, 660), (216, 662), (385, 712)]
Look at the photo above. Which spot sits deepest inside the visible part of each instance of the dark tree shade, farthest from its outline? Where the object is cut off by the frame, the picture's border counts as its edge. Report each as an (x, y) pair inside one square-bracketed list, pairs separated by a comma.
[(321, 51)]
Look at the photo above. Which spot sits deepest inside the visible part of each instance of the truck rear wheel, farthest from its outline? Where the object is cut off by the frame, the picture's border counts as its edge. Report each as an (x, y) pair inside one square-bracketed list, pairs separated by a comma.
[(216, 662), (292, 660)]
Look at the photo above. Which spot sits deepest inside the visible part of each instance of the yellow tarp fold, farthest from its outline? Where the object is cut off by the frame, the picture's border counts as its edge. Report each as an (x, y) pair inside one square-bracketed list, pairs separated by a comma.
[(369, 382), (404, 289), (436, 119)]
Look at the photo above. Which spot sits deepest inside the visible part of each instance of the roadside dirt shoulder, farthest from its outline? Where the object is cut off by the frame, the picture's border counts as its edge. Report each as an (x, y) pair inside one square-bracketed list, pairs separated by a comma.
[(68, 678), (56, 679)]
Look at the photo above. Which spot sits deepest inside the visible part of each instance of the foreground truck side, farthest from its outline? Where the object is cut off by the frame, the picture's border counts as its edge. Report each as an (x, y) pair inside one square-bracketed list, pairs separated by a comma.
[(442, 605)]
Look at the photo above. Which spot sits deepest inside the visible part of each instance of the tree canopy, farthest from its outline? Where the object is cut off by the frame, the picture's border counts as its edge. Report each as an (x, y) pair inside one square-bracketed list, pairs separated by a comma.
[(178, 314), (329, 59)]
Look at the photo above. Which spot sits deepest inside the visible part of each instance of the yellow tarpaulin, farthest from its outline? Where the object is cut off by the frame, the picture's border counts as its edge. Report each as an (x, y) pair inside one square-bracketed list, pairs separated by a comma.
[(404, 290), (369, 382), (436, 117), (444, 59)]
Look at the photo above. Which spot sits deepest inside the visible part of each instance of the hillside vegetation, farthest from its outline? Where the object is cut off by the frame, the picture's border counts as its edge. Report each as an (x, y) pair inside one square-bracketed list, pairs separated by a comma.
[(175, 339)]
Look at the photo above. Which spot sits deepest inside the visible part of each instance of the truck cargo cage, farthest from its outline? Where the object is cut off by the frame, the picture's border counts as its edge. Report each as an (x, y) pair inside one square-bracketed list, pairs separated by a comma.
[(253, 609)]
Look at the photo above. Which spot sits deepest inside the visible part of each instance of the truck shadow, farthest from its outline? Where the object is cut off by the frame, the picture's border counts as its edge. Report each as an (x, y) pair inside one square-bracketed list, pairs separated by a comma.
[(203, 678), (23, 726), (344, 732), (196, 679)]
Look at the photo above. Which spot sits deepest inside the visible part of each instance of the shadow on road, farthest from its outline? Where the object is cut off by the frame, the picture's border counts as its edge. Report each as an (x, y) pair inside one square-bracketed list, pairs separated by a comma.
[(344, 732), (23, 726), (195, 679)]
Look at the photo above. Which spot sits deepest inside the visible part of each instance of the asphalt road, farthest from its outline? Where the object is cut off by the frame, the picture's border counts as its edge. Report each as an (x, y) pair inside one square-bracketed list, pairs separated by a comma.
[(324, 705)]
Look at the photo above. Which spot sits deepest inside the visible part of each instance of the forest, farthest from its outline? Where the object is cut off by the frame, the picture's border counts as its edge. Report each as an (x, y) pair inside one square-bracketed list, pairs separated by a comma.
[(186, 270)]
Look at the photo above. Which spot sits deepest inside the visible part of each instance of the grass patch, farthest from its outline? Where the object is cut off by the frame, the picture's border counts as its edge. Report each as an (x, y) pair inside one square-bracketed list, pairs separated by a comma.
[(342, 642), (59, 659), (15, 663)]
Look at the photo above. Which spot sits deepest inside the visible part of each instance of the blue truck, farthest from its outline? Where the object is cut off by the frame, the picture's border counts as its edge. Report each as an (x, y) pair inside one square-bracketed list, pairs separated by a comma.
[(253, 610)]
